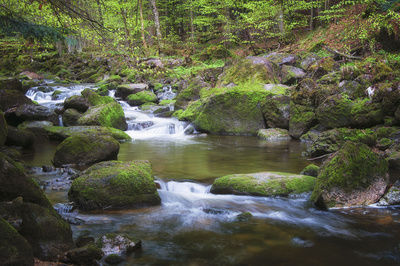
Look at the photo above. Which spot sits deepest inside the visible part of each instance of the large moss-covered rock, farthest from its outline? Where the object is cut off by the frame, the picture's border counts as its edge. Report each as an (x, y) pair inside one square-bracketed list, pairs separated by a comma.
[(95, 99), (335, 111), (85, 149), (31, 112), (14, 183), (115, 185), (355, 175), (106, 115), (340, 111), (3, 129), (302, 118), (77, 102), (330, 141), (276, 107), (14, 249), (141, 97), (125, 90), (392, 196), (70, 117), (12, 98), (366, 113), (48, 234), (235, 111), (61, 133), (263, 184)]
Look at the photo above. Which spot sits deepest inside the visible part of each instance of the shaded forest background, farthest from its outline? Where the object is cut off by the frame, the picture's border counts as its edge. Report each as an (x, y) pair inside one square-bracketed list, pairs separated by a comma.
[(208, 29)]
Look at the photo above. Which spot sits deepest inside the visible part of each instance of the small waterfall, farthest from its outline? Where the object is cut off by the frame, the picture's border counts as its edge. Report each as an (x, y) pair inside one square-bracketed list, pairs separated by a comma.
[(51, 95), (60, 121), (166, 93), (142, 125)]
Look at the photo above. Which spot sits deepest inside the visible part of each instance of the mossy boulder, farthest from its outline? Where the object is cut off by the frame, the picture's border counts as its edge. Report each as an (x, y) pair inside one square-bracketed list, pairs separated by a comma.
[(77, 102), (106, 115), (61, 133), (95, 99), (302, 118), (273, 134), (330, 141), (291, 74), (3, 129), (322, 67), (115, 185), (234, 111), (263, 184), (276, 111), (86, 150), (141, 97), (19, 137), (282, 58), (14, 249), (124, 90), (12, 98), (70, 117), (366, 113), (47, 233), (353, 176), (335, 112), (252, 69), (340, 111), (30, 112), (310, 170), (14, 183)]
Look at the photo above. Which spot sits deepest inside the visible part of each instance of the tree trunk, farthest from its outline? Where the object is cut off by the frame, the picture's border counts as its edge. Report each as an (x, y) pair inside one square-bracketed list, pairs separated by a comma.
[(142, 23), (156, 21), (281, 19), (127, 32)]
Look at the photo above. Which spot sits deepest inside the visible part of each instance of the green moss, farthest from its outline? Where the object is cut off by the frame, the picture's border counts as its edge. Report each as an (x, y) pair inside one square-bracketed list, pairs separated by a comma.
[(310, 170), (167, 102), (228, 111), (354, 167), (158, 86), (142, 97), (14, 249), (106, 115), (61, 133), (302, 118), (114, 78), (95, 99), (116, 184), (245, 71), (263, 184)]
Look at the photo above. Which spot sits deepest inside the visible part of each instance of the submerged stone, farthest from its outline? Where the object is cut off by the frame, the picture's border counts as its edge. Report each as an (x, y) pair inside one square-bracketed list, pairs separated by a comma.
[(115, 185), (263, 184)]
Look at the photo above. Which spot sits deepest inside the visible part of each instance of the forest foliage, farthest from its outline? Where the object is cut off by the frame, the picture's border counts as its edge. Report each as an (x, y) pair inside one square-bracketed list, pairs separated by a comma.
[(153, 26)]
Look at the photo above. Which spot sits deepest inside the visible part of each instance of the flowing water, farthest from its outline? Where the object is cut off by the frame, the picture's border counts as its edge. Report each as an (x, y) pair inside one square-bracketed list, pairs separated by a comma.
[(194, 227)]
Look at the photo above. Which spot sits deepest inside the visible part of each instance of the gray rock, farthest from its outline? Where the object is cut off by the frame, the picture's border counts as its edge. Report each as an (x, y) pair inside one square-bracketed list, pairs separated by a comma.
[(392, 197), (125, 90)]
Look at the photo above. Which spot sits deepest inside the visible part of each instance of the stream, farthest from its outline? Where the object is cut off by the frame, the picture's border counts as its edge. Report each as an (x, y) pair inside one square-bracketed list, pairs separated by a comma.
[(194, 227)]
